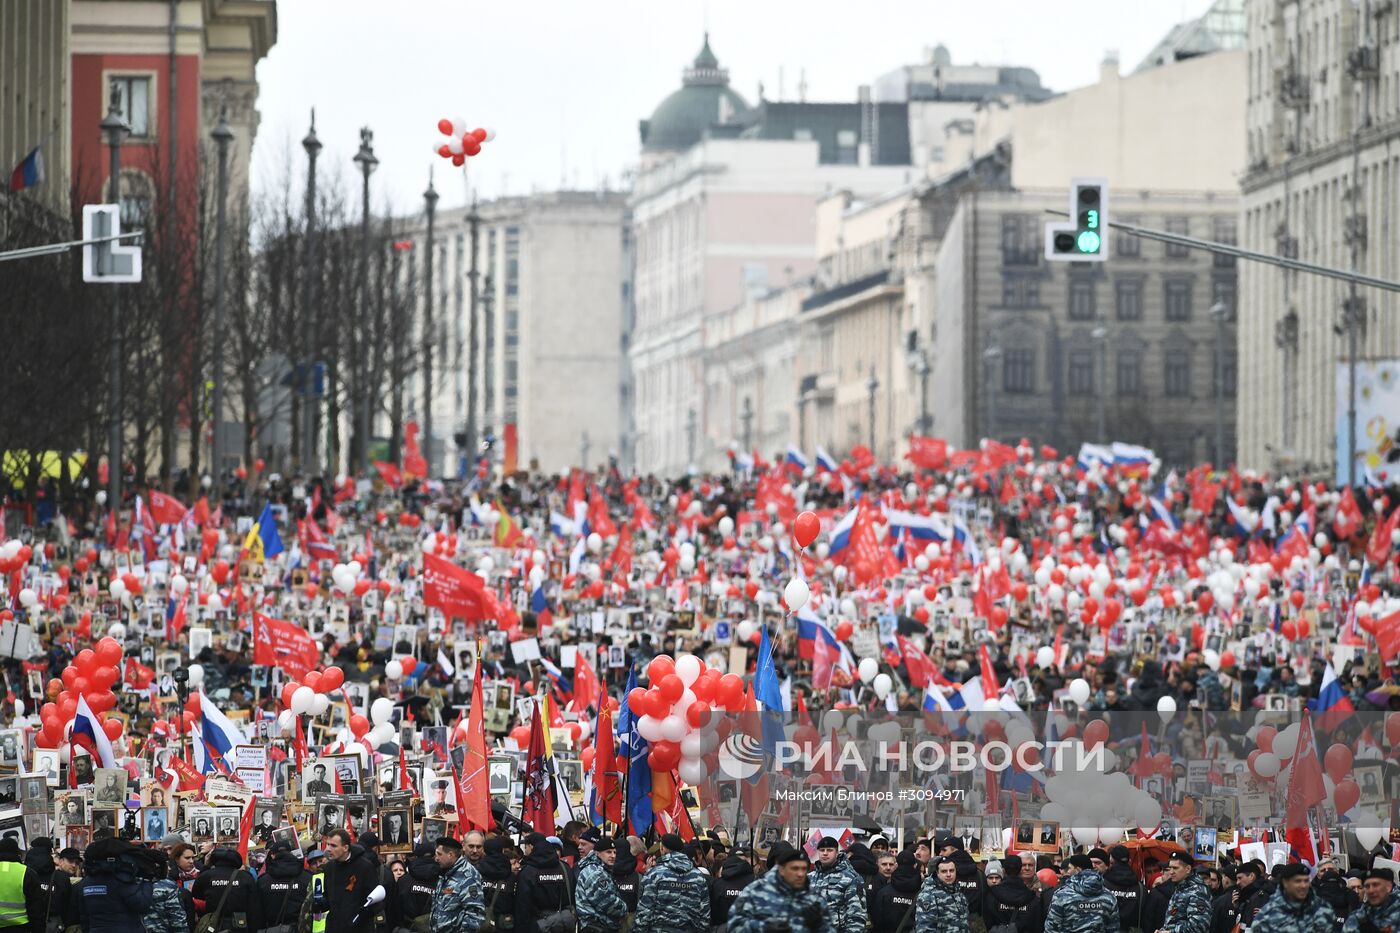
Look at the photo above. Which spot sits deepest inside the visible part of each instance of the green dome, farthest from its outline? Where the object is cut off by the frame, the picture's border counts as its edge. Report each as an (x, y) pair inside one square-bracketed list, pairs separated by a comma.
[(703, 100)]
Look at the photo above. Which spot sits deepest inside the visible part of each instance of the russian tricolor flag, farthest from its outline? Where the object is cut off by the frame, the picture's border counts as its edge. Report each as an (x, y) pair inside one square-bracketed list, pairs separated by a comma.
[(1163, 514), (560, 525), (89, 734), (1091, 455), (841, 534), (29, 172), (919, 527), (796, 459), (561, 683), (964, 537), (218, 736), (1332, 706), (825, 461)]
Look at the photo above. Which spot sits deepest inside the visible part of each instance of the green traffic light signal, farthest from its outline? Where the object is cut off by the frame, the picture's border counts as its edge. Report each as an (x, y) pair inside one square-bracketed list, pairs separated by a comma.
[(1089, 242)]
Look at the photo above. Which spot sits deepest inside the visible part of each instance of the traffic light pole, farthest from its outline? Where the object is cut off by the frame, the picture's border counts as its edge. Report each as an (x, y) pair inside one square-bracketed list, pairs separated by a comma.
[(1229, 249)]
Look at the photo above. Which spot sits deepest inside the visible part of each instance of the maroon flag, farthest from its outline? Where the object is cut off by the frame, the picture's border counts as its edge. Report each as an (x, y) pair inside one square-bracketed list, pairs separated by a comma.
[(538, 810), (458, 592), (283, 644)]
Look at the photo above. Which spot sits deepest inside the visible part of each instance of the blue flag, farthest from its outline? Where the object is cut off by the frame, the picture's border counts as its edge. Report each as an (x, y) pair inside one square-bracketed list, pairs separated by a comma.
[(767, 692), (635, 749)]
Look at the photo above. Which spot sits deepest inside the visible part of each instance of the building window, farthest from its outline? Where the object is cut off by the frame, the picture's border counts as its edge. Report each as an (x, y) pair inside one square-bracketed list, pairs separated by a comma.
[(1125, 245), (1020, 292), (1018, 371), (1081, 300), (846, 147), (1223, 231), (1222, 291), (1177, 372), (1081, 372), (1178, 301), (1129, 373), (135, 94), (1227, 371), (1018, 247), (1127, 300), (1181, 226)]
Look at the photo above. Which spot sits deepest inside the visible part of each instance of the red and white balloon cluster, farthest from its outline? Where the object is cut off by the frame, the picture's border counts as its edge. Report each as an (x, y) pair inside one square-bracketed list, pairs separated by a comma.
[(461, 142), (677, 714)]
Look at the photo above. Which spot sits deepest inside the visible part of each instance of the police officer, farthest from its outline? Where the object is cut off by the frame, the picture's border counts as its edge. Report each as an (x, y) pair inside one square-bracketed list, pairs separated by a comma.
[(941, 906), (1125, 886), (1237, 906), (112, 898), (22, 896), (734, 875), (281, 887), (675, 896), (893, 905), (843, 889), (599, 906), (1011, 902), (1081, 903), (1329, 885), (458, 904), (167, 913), (970, 880), (781, 895), (1380, 904), (1188, 911), (1295, 906), (542, 887), (498, 878), (344, 887), (227, 891), (629, 880), (418, 883)]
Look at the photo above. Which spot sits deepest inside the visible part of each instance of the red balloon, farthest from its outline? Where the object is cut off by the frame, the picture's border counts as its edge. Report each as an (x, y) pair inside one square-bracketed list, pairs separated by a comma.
[(806, 528), (445, 126), (70, 676), (101, 701), (844, 629), (192, 704), (1227, 659), (113, 728), (86, 661), (1297, 598), (1251, 759), (730, 692), (359, 725), (1204, 602), (287, 690), (1289, 630), (586, 758), (103, 678), (521, 734), (660, 666), (361, 587), (1264, 738), (409, 666), (658, 707), (671, 688), (1392, 728), (109, 651), (1095, 733), (697, 714), (82, 686), (998, 617), (664, 755), (1019, 591), (333, 677), (1345, 795), (1337, 761), (312, 679), (637, 701)]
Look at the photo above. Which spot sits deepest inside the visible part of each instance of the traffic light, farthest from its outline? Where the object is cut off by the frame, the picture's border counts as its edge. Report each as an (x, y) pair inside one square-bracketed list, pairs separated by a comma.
[(1084, 237), (108, 261)]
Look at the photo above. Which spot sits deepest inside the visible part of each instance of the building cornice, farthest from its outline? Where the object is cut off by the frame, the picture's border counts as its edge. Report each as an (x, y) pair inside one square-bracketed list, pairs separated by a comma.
[(1375, 136)]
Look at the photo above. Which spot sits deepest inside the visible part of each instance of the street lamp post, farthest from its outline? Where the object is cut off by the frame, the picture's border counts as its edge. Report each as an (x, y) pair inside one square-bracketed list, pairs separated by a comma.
[(746, 416), (803, 400), (222, 136), (871, 385), (367, 162), (1100, 335), (312, 145), (1219, 312), (115, 130), (918, 363), (430, 199), (474, 227), (691, 420), (991, 355)]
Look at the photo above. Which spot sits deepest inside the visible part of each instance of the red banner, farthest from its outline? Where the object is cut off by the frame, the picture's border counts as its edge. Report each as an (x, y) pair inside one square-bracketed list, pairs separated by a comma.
[(458, 592), (283, 644), (166, 510)]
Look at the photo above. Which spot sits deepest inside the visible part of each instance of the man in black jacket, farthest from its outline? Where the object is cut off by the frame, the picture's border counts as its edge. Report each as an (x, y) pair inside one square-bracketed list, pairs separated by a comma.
[(629, 880), (347, 886), (281, 887), (542, 887), (970, 880), (387, 915), (498, 881), (892, 908), (1011, 903), (1125, 886), (225, 878), (418, 883), (62, 905), (1329, 885), (1238, 905), (735, 874)]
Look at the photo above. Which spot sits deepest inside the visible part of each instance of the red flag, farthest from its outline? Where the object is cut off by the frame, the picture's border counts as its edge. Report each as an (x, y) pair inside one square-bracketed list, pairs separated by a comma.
[(178, 621), (245, 829), (865, 541), (585, 685), (991, 689), (201, 512), (538, 810), (405, 782), (606, 787), (459, 593), (598, 518), (1348, 515), (1305, 791), (414, 463), (1203, 495), (918, 664), (283, 644), (1378, 550), (166, 510), (929, 453), (389, 473), (507, 533), (1386, 631), (475, 805), (315, 542)]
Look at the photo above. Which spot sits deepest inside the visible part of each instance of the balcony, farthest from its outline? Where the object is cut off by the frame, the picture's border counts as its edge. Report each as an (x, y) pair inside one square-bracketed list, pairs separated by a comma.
[(845, 290)]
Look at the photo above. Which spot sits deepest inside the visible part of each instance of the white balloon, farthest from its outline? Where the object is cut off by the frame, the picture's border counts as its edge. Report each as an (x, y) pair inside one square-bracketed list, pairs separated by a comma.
[(393, 670), (687, 562), (649, 728), (1086, 835), (1371, 836), (286, 721), (823, 550), (796, 594), (1286, 742), (429, 544), (194, 673), (1166, 708), (688, 669), (215, 603), (693, 745), (101, 497), (380, 710), (355, 568), (867, 669), (726, 526), (1212, 658), (1079, 690), (117, 631), (320, 704), (883, 685), (303, 698), (595, 543), (1045, 656), (1055, 813), (27, 598), (1267, 764), (744, 630), (1108, 835), (693, 770), (117, 588), (1147, 812), (490, 134), (674, 728), (179, 585)]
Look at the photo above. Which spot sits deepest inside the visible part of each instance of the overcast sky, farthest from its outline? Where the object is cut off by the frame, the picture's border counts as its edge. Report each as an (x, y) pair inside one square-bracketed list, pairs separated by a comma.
[(564, 82)]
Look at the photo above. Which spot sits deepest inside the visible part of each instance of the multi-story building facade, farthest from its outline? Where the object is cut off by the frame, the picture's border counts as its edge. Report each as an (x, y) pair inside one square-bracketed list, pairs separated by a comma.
[(553, 283), (1322, 184)]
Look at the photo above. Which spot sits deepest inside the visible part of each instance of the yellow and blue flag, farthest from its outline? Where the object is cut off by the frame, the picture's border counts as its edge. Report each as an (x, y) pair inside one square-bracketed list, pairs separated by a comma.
[(263, 539)]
